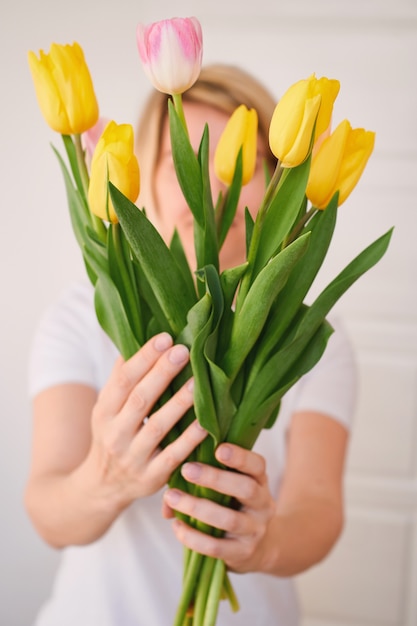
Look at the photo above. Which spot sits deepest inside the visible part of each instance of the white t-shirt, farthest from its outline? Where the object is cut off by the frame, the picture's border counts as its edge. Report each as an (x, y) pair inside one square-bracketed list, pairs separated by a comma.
[(132, 575)]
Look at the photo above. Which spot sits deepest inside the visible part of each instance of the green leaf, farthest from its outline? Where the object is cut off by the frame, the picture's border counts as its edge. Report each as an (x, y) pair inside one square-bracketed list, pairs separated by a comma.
[(245, 429), (294, 359), (310, 356), (230, 279), (171, 289), (356, 268), (228, 207), (205, 237), (249, 224), (122, 274), (220, 382), (81, 223), (186, 166), (155, 321), (80, 217), (291, 297), (259, 406), (210, 384), (178, 253), (255, 308), (199, 327), (212, 400), (281, 213), (95, 260), (311, 318), (72, 158), (112, 316)]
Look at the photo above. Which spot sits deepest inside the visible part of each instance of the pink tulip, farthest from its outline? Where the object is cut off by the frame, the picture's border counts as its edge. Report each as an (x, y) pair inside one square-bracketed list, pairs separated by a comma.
[(171, 52)]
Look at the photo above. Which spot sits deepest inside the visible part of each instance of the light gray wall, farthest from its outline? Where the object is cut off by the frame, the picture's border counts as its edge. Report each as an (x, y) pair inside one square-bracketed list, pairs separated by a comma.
[(370, 46)]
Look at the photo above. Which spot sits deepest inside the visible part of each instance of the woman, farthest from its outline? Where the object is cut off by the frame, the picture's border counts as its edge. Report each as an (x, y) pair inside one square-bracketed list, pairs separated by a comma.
[(98, 476)]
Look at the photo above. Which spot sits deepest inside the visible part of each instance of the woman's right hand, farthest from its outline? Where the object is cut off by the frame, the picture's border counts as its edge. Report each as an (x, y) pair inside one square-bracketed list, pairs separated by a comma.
[(94, 455), (125, 454)]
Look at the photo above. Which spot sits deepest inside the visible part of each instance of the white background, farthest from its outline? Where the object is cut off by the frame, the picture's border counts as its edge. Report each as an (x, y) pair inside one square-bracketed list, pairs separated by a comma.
[(371, 47)]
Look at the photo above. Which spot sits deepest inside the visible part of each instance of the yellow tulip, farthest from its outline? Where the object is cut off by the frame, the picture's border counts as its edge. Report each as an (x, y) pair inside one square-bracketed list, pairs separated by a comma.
[(113, 160), (64, 89), (307, 103), (241, 131), (338, 164)]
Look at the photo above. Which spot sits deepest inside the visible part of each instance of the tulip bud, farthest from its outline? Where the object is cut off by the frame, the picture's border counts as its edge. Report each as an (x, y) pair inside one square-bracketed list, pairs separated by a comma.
[(64, 89), (306, 106), (241, 131), (114, 161), (171, 52), (338, 164)]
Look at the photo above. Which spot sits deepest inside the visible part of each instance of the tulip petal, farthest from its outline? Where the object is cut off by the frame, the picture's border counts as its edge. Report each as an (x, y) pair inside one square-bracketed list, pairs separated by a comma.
[(286, 119), (171, 53), (338, 164), (328, 89), (250, 146), (113, 160), (326, 165), (300, 148), (64, 89), (241, 131), (359, 148), (307, 102)]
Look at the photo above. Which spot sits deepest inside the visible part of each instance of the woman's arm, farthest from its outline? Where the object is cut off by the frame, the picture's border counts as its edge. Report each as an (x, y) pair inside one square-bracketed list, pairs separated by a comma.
[(93, 455), (282, 537)]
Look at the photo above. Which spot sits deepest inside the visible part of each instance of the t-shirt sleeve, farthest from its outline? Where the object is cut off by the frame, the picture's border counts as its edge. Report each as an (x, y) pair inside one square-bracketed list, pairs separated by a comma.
[(65, 346), (330, 387)]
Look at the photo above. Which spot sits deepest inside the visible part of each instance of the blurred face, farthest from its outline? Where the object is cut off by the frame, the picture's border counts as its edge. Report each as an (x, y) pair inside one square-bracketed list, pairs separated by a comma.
[(171, 209)]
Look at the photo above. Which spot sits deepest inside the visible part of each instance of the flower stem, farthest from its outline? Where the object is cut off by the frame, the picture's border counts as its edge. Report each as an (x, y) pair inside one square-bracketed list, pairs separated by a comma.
[(269, 195), (82, 167), (202, 593), (124, 277), (257, 229), (230, 593), (299, 226), (212, 605), (190, 581), (177, 100), (85, 181)]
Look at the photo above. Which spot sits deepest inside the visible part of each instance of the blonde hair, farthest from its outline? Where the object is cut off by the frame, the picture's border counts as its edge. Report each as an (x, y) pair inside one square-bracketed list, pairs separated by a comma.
[(223, 87)]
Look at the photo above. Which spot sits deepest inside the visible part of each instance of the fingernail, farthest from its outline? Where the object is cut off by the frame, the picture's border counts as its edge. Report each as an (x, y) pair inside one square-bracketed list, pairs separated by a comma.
[(179, 354), (191, 471), (190, 385), (162, 342), (172, 497), (224, 453)]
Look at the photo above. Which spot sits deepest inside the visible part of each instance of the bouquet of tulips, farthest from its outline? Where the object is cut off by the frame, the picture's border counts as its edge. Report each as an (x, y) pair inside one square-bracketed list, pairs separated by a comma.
[(251, 336)]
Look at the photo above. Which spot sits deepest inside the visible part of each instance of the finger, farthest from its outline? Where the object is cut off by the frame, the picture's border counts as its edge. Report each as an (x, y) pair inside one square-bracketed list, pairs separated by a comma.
[(242, 460), (167, 512), (150, 388), (126, 374), (223, 548), (236, 485), (208, 512), (171, 457), (162, 421)]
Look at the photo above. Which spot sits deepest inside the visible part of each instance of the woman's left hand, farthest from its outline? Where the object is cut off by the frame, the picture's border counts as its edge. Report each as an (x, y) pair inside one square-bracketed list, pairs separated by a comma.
[(244, 545)]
